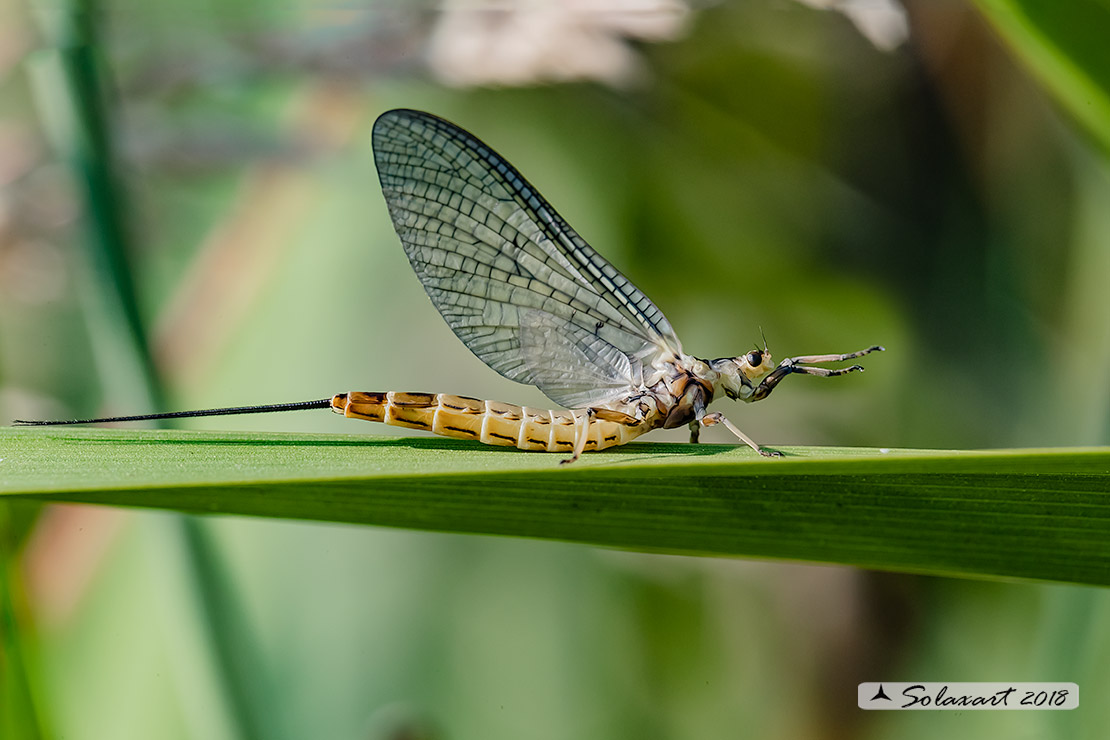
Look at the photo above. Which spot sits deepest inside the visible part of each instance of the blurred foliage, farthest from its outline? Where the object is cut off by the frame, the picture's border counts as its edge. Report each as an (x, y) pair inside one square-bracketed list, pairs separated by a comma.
[(769, 169)]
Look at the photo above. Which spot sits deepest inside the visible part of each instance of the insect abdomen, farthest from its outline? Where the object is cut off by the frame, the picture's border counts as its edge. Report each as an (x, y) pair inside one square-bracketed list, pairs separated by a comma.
[(490, 422)]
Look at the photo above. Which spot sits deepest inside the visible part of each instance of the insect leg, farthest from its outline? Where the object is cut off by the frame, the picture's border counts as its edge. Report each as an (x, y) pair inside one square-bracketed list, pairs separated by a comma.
[(582, 422), (764, 389), (812, 359), (799, 365), (716, 417)]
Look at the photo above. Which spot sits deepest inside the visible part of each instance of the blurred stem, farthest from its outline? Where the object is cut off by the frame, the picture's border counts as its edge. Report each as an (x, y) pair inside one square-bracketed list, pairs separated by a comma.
[(233, 647), (82, 129), (19, 716), (91, 151)]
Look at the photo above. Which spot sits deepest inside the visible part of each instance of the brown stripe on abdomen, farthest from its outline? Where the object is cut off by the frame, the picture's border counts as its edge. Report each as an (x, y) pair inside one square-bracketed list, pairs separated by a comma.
[(360, 405), (459, 417)]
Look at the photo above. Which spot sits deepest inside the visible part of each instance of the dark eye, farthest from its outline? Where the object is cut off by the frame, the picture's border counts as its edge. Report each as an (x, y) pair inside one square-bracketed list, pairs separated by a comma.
[(755, 358)]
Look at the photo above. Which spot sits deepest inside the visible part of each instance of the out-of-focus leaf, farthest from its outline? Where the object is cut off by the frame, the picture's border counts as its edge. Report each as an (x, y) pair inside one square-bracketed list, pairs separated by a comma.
[(1065, 45)]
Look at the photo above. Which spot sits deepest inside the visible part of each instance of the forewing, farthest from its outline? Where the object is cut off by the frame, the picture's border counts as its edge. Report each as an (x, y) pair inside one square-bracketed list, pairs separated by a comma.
[(514, 282)]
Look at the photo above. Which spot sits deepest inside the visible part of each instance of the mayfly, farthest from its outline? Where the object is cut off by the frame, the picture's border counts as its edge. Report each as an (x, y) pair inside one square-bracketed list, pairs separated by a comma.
[(529, 297)]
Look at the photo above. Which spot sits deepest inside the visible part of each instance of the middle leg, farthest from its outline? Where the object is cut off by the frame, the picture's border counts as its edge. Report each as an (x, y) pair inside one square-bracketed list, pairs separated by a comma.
[(716, 417)]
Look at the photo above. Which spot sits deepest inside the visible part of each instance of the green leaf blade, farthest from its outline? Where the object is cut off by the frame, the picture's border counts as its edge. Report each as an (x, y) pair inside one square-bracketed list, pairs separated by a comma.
[(1032, 514)]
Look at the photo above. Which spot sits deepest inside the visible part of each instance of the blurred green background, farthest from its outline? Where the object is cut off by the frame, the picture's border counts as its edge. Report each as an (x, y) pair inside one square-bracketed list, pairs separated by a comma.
[(190, 217)]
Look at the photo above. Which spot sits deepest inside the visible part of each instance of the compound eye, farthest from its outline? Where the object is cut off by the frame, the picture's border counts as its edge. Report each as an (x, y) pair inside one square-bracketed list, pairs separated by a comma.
[(755, 358)]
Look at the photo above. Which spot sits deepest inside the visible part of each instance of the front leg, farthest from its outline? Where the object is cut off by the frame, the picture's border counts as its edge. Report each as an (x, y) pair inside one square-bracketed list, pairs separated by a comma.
[(814, 359), (695, 432), (792, 365)]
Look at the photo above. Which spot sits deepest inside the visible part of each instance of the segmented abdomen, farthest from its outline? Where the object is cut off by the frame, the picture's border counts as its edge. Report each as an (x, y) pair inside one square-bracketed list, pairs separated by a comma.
[(491, 422)]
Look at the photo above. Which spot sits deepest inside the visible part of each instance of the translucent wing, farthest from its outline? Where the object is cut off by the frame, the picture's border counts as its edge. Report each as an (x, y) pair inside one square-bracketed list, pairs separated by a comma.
[(515, 283)]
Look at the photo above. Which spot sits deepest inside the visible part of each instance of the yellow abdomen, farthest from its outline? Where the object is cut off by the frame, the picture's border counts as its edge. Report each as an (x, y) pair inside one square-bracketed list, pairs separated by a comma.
[(490, 422)]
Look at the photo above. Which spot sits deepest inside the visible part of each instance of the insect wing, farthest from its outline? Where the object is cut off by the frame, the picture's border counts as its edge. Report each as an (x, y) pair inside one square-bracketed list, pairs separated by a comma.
[(515, 283)]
